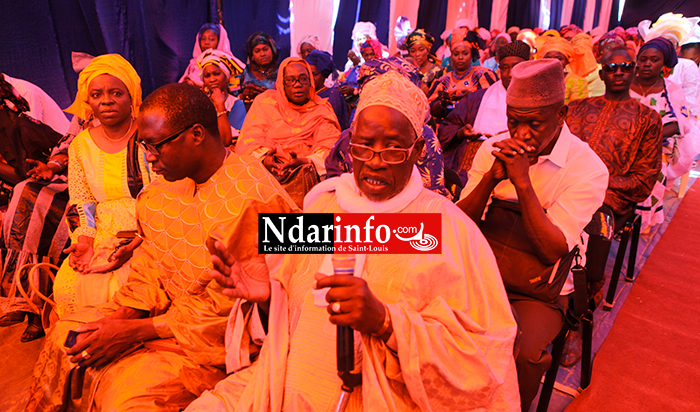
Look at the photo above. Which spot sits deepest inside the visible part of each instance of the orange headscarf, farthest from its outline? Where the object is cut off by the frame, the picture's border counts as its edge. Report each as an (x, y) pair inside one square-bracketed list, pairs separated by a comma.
[(274, 122), (584, 62), (546, 44), (112, 64)]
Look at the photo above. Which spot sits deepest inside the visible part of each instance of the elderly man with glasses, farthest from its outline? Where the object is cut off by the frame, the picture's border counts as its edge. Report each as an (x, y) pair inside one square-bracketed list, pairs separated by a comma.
[(161, 342), (432, 331)]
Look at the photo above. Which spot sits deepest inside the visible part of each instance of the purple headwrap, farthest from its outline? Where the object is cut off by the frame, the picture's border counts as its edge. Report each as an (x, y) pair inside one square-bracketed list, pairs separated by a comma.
[(665, 47), (323, 62)]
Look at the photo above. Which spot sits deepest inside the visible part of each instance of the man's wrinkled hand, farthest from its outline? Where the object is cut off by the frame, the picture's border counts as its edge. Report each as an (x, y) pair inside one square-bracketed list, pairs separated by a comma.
[(231, 275), (351, 303), (517, 156), (103, 341)]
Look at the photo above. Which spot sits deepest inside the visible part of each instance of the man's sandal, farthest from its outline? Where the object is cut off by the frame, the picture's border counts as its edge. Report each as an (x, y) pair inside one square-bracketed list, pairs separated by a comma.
[(12, 318), (32, 332)]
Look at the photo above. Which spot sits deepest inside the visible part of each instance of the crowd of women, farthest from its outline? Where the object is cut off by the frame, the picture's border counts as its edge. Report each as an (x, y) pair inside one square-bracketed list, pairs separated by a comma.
[(295, 116)]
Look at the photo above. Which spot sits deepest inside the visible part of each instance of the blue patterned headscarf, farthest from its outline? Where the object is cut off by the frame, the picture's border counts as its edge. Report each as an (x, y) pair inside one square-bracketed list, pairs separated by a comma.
[(373, 68), (665, 47), (323, 62)]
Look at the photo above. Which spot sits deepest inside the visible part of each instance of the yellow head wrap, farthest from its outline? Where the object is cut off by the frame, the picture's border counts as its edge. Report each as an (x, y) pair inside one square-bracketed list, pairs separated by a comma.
[(114, 65), (560, 44), (584, 63)]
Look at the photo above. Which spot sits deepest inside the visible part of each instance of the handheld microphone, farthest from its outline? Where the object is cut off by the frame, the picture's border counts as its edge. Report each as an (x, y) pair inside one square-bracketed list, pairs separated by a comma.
[(345, 341)]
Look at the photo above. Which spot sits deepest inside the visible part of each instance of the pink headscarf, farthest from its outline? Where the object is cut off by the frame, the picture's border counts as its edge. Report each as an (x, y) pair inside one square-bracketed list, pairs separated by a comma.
[(192, 71)]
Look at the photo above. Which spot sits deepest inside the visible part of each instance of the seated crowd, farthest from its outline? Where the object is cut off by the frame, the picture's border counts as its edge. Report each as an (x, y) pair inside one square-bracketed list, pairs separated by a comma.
[(149, 212)]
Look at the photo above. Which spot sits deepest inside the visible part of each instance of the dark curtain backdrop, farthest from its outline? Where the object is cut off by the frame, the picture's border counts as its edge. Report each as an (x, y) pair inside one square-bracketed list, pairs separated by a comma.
[(555, 16), (352, 11), (377, 11), (432, 17), (596, 17), (638, 10), (578, 14), (243, 18), (157, 37), (523, 13), (614, 21), (485, 8), (348, 10)]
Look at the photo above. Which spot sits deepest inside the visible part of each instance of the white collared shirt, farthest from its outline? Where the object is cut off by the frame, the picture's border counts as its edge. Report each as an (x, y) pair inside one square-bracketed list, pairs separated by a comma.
[(570, 184)]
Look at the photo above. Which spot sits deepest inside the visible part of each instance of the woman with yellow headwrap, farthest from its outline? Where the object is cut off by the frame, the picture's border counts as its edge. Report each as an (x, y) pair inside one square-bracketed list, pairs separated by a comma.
[(585, 65), (219, 73), (560, 49), (106, 169)]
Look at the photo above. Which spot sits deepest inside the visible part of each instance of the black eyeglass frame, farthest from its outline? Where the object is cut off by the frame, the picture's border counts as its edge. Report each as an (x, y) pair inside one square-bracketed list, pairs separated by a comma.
[(407, 152), (153, 148), (291, 81)]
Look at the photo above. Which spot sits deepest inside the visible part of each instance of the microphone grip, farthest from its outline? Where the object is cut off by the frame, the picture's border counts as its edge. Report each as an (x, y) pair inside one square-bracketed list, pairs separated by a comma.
[(345, 349)]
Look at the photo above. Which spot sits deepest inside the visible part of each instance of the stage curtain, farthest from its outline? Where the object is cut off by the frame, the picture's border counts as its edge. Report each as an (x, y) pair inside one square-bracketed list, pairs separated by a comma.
[(499, 14), (243, 18), (638, 10), (432, 17), (578, 13), (38, 36), (461, 9), (313, 17), (407, 8), (485, 7), (614, 13), (377, 11), (567, 10), (523, 13), (592, 7), (342, 32), (555, 10)]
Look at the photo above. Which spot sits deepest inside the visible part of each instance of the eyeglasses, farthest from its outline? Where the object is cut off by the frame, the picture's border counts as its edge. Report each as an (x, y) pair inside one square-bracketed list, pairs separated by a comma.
[(390, 156), (291, 81), (626, 67), (154, 148)]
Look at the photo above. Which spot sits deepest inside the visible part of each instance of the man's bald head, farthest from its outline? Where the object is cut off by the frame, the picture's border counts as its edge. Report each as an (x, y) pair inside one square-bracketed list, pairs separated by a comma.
[(182, 105), (177, 124)]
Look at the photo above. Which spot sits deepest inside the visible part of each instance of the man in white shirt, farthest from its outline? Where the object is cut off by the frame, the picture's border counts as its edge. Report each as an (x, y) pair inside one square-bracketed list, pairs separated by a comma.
[(557, 182)]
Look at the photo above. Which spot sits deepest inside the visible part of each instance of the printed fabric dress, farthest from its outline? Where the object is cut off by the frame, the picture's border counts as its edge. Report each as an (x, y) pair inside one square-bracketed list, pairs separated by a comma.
[(652, 209), (103, 188), (476, 78)]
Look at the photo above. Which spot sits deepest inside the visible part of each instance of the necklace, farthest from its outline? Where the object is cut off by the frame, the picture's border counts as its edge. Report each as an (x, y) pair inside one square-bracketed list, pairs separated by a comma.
[(462, 76), (261, 71), (645, 92), (104, 132)]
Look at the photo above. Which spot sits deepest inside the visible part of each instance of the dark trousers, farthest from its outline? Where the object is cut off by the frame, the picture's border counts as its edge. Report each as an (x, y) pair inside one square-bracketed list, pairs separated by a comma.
[(539, 324), (599, 248)]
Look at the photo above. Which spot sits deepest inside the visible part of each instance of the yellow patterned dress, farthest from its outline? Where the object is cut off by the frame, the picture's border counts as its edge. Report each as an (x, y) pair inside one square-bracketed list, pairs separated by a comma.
[(99, 190)]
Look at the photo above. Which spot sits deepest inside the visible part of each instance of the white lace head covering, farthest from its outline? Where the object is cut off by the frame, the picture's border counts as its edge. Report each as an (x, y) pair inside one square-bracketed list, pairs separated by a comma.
[(392, 89)]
